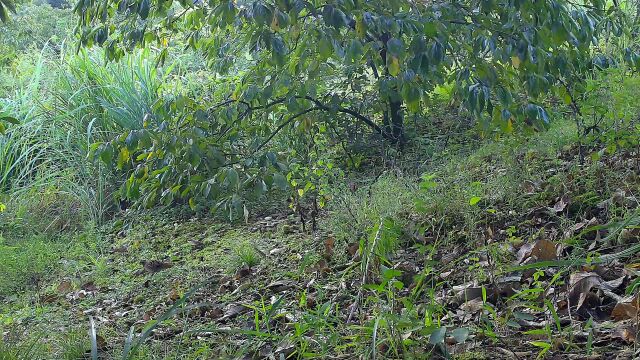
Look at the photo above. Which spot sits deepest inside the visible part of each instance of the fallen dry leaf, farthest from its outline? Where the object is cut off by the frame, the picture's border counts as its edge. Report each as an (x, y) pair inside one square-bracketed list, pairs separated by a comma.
[(353, 249), (626, 309), (146, 316), (626, 333), (276, 251), (120, 250), (280, 286), (49, 298), (472, 306), (197, 245), (174, 295), (225, 287), (155, 266), (242, 273), (562, 204), (322, 267), (215, 313), (580, 285), (89, 286), (234, 311), (101, 342), (541, 250), (329, 244), (64, 287)]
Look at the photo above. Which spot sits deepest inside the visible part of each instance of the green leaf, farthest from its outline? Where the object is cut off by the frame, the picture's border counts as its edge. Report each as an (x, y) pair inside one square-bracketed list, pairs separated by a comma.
[(474, 200), (460, 335), (123, 157), (10, 119), (334, 17), (393, 64), (395, 47), (325, 47), (280, 181), (144, 8), (259, 188), (541, 344), (261, 13), (355, 50), (106, 153), (361, 27), (232, 179), (437, 337)]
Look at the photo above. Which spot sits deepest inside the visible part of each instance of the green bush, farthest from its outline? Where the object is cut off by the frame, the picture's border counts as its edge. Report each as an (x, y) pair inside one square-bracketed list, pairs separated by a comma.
[(610, 111), (36, 25), (112, 97)]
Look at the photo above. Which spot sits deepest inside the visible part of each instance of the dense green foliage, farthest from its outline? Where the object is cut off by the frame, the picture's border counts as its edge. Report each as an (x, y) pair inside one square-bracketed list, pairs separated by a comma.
[(322, 66), (416, 178)]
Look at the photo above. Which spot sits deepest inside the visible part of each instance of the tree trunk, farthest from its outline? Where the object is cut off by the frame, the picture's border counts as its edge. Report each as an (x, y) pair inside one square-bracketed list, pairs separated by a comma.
[(393, 120), (397, 121)]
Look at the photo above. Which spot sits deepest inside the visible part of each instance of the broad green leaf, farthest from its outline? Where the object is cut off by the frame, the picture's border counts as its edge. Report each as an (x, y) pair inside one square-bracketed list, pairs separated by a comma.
[(280, 181), (393, 64), (233, 178), (437, 337), (460, 335), (10, 119)]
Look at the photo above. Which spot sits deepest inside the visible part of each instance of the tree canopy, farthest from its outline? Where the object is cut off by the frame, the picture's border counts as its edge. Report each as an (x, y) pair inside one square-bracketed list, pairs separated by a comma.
[(336, 63)]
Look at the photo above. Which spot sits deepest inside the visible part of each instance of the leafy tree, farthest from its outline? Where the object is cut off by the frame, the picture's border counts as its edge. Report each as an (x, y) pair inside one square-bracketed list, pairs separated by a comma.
[(338, 62)]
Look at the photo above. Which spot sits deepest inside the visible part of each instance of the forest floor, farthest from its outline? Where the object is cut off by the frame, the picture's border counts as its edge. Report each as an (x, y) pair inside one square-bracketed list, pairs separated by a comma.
[(514, 252)]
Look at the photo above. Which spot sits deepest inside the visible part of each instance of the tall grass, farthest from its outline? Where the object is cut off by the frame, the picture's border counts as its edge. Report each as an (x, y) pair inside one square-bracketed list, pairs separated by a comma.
[(113, 97), (23, 153), (66, 105)]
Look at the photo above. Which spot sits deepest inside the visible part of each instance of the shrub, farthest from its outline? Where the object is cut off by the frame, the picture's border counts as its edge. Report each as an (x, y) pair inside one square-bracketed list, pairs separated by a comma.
[(246, 255)]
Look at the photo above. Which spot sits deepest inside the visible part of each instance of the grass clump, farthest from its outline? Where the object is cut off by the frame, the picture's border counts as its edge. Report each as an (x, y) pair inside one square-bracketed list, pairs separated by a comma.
[(21, 351), (355, 210), (246, 255)]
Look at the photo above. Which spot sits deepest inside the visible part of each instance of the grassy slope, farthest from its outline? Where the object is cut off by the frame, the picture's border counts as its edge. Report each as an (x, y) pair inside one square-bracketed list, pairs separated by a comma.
[(300, 287)]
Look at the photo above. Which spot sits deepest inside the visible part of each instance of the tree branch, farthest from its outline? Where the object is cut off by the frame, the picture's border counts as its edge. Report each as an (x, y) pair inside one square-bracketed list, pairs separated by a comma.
[(319, 106), (351, 112), (281, 126)]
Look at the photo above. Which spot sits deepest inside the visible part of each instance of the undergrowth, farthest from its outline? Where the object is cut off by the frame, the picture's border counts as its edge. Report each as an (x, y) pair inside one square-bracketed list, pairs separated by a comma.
[(409, 259)]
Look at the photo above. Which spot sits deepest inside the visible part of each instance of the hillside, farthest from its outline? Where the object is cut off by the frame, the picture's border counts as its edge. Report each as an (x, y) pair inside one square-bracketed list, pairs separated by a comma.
[(319, 180)]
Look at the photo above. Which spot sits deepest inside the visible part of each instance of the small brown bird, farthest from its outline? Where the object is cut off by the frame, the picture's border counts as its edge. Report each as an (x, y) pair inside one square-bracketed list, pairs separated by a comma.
[(155, 266)]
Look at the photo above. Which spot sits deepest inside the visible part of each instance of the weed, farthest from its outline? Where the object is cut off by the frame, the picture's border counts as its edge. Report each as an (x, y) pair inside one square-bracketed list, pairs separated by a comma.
[(246, 255)]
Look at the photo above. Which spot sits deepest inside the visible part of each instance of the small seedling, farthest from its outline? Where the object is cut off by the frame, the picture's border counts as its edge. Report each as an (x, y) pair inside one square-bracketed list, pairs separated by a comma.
[(247, 255)]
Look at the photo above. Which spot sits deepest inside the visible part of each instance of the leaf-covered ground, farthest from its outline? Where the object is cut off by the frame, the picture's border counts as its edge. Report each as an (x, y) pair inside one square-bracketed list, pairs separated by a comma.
[(545, 266)]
